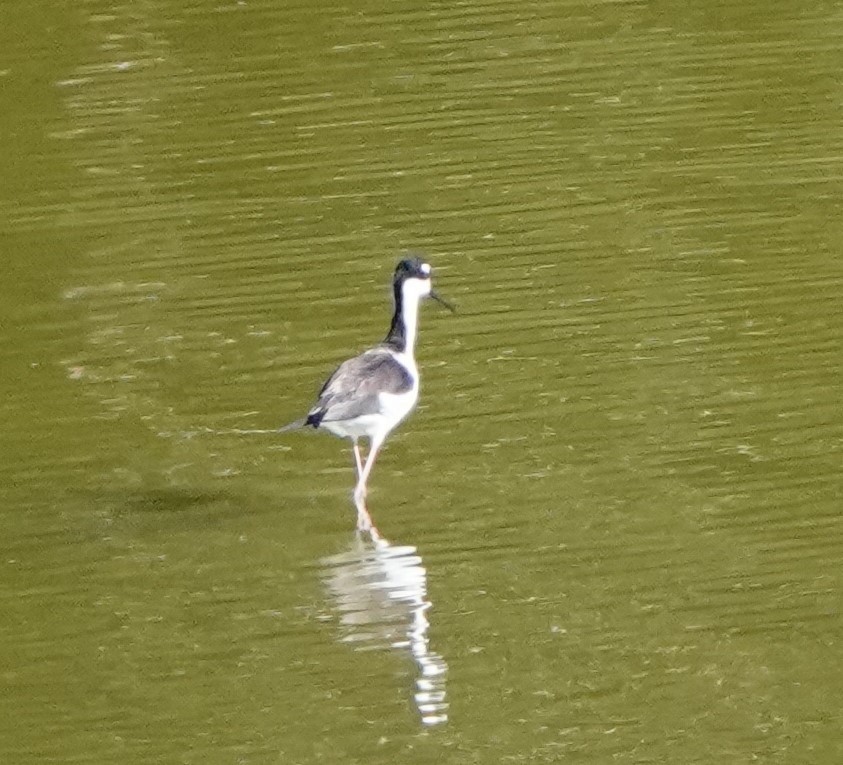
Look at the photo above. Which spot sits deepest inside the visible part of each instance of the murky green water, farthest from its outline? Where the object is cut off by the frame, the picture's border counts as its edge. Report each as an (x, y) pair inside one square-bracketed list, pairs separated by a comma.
[(614, 523)]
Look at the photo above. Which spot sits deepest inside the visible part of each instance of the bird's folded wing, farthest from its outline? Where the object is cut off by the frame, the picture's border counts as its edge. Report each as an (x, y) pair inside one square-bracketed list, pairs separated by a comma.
[(352, 390)]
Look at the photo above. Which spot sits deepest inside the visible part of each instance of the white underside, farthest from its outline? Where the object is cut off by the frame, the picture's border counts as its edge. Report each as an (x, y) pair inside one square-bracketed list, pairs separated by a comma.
[(394, 407)]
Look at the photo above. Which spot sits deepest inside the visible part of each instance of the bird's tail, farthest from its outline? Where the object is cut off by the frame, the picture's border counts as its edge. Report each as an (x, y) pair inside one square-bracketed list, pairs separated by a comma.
[(293, 425)]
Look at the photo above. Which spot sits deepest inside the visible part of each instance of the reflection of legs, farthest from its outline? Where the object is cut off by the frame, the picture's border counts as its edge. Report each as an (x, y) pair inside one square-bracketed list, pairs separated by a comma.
[(364, 520)]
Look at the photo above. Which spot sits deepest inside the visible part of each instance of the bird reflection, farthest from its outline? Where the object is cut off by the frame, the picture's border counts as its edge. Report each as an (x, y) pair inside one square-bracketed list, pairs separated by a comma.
[(380, 591)]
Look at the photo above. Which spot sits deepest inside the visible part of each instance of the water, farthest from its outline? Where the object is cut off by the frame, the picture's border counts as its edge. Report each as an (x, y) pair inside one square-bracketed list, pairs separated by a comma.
[(612, 528)]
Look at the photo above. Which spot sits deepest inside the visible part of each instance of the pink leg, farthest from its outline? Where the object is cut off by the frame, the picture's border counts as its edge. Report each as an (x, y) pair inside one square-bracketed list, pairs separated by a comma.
[(364, 520), (357, 461)]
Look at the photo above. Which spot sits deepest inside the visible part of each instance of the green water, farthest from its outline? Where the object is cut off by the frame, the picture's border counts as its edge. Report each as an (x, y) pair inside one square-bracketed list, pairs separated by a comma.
[(612, 527)]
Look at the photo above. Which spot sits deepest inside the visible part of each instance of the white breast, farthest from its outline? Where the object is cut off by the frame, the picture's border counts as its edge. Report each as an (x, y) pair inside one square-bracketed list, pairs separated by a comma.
[(393, 408)]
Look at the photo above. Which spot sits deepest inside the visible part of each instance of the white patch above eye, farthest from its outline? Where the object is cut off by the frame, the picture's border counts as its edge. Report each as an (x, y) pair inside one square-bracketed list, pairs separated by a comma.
[(425, 269)]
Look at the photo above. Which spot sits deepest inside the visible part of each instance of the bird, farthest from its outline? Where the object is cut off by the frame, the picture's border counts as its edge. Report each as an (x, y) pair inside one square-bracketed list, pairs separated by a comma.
[(369, 395)]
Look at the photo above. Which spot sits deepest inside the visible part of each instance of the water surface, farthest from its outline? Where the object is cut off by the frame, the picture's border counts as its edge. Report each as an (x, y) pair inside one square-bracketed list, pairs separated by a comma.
[(611, 531)]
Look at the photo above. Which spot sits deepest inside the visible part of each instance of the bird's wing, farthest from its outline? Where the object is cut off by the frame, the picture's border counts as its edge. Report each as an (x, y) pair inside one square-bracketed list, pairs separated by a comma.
[(352, 390)]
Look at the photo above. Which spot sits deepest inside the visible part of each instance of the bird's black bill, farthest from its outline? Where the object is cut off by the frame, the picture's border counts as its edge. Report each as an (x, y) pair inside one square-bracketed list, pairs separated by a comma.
[(439, 299)]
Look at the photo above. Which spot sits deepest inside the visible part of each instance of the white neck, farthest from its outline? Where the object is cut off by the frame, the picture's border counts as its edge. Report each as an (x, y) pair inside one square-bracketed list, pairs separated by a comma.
[(412, 291)]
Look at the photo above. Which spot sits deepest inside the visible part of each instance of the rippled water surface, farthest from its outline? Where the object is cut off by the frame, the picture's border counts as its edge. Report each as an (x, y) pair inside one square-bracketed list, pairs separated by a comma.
[(611, 532)]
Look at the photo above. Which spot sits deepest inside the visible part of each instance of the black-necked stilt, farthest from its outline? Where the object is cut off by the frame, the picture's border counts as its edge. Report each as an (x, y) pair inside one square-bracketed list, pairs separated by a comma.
[(368, 395)]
